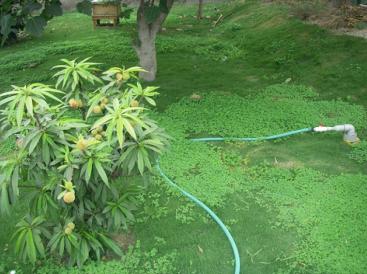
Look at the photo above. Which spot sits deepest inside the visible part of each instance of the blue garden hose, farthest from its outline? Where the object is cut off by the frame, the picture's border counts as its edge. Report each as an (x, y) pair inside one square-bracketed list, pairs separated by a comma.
[(251, 139), (204, 206)]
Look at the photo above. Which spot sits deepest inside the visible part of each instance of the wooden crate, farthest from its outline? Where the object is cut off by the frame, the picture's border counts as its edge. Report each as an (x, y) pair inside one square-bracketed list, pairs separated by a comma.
[(105, 11)]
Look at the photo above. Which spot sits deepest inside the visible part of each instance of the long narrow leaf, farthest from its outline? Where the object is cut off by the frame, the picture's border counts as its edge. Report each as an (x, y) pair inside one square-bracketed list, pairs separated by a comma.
[(101, 172)]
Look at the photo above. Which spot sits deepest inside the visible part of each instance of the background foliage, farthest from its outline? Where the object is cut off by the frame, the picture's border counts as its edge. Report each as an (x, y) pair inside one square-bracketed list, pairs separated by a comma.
[(29, 15)]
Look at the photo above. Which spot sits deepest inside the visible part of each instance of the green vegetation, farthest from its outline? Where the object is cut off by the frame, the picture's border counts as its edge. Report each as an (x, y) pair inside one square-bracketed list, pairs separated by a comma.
[(69, 160), (135, 261), (24, 15), (359, 153), (294, 205)]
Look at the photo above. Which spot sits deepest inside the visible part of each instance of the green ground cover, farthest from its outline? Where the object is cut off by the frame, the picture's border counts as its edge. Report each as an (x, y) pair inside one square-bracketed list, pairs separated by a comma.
[(295, 205)]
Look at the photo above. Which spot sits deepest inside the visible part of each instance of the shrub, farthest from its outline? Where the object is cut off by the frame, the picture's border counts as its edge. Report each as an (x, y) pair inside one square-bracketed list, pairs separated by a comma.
[(68, 150), (28, 15)]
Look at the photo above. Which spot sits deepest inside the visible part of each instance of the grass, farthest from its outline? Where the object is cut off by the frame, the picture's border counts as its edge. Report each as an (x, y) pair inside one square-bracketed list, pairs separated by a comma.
[(293, 206)]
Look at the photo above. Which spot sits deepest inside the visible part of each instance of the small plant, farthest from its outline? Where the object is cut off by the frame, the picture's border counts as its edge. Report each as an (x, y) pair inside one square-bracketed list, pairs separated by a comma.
[(68, 151)]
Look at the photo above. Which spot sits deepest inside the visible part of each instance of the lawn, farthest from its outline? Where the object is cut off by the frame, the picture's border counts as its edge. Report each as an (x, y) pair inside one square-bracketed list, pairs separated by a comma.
[(295, 205)]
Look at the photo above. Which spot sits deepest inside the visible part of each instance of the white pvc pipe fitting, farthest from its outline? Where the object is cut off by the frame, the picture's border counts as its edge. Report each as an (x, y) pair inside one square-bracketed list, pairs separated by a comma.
[(350, 135)]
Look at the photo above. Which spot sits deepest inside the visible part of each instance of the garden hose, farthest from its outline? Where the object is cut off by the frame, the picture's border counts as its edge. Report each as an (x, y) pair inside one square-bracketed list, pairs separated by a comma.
[(204, 206), (251, 139), (212, 214)]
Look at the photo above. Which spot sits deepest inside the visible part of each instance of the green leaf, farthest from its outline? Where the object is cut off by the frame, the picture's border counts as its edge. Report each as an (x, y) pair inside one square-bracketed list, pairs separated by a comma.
[(61, 246), (150, 101), (67, 244), (31, 249), (34, 143), (140, 162), (89, 170), (35, 25), (20, 242), (6, 23), (4, 199), (84, 251), (130, 129), (39, 244), (120, 131), (7, 100), (45, 149), (31, 7), (110, 244), (29, 105), (101, 172), (52, 244), (14, 181), (20, 111)]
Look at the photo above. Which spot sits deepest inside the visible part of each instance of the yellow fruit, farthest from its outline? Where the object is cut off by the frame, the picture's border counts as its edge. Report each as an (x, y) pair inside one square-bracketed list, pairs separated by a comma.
[(68, 231), (119, 76), (69, 197), (99, 129), (122, 76), (94, 132), (71, 225), (104, 100), (134, 103), (97, 109), (73, 103), (126, 76), (82, 144), (80, 103), (98, 137), (103, 106)]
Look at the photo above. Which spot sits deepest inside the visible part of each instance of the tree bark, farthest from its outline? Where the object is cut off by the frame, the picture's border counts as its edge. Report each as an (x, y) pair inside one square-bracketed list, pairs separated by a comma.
[(200, 9), (147, 52), (147, 33)]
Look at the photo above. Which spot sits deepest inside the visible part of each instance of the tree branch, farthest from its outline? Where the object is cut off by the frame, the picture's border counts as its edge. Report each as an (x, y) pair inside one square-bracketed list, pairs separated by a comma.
[(162, 17)]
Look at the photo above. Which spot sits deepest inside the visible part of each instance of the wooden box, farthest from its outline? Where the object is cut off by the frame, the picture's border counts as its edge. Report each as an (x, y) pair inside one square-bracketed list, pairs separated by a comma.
[(105, 11)]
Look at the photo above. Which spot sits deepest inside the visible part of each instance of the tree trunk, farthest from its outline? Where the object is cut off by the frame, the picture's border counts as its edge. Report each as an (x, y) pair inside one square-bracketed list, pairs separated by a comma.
[(147, 34), (200, 9), (147, 55)]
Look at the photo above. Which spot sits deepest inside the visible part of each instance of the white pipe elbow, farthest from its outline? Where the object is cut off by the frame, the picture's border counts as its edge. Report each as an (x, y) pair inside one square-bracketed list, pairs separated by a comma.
[(350, 135)]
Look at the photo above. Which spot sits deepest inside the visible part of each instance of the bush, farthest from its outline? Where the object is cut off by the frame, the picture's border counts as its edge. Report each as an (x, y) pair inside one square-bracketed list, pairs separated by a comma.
[(68, 150)]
